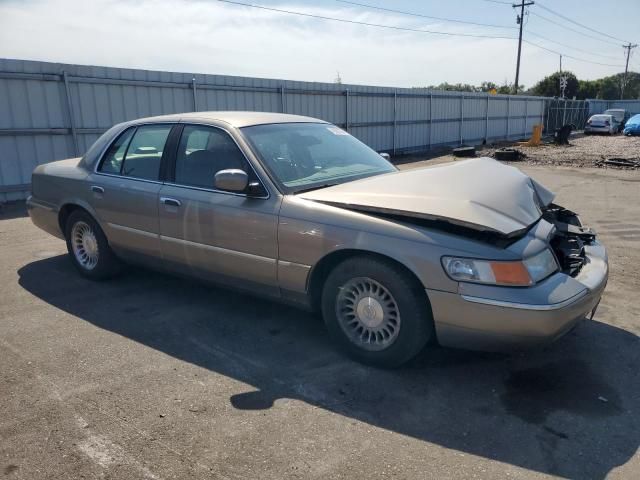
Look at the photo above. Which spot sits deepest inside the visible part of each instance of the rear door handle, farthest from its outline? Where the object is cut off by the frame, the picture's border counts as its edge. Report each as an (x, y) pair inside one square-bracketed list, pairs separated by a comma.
[(170, 201), (97, 189)]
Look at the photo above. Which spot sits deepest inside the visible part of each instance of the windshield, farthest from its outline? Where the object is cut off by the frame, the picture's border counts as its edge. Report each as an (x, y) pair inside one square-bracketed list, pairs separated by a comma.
[(601, 118), (303, 156)]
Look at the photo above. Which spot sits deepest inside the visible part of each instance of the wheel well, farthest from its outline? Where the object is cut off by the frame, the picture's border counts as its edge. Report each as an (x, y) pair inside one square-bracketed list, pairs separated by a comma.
[(323, 268), (64, 213)]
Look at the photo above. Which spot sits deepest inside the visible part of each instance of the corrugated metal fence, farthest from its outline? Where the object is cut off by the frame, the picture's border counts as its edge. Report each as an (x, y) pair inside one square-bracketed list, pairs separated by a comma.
[(599, 106), (50, 111)]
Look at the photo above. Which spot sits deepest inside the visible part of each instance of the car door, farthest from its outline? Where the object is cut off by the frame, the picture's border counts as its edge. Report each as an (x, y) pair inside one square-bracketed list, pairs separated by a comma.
[(124, 191), (219, 235)]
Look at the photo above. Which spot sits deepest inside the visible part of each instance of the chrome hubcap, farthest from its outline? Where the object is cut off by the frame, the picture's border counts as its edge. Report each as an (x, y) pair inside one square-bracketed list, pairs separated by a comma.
[(368, 313), (85, 245)]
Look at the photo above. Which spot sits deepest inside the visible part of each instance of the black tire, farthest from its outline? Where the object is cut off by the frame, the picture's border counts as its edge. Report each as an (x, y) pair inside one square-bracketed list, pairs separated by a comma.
[(507, 154), (466, 152), (107, 264), (414, 318)]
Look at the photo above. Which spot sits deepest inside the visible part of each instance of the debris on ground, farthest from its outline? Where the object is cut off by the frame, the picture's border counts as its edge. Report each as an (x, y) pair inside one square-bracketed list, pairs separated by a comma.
[(583, 151), (561, 136), (619, 162), (464, 151), (508, 154)]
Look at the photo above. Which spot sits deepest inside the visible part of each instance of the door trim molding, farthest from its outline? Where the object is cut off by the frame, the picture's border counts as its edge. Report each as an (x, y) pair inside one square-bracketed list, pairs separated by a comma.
[(212, 248)]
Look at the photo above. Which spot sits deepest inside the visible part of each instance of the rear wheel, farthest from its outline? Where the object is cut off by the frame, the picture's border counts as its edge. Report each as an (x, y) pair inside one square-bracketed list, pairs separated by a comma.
[(376, 311), (88, 247)]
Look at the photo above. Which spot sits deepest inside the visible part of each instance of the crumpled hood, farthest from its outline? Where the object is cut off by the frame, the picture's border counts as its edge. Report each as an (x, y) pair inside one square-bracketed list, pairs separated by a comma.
[(480, 193)]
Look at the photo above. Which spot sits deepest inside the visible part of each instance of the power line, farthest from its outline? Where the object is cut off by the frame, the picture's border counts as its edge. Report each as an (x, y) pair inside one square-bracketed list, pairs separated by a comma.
[(564, 55), (574, 30), (579, 24), (367, 24), (569, 46), (393, 27), (414, 14)]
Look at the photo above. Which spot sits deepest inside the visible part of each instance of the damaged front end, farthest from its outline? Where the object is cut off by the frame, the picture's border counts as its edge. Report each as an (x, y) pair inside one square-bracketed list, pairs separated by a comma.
[(569, 238)]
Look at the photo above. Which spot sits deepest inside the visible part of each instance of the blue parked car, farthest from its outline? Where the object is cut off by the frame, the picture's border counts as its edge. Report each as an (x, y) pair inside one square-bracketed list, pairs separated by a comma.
[(632, 127)]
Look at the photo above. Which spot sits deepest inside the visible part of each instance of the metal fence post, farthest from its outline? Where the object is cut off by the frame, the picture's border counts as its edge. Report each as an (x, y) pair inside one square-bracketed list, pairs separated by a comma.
[(346, 109), (526, 114), (542, 115), (395, 124), (461, 118), (508, 116), (282, 102), (430, 120), (195, 99), (486, 121), (72, 122)]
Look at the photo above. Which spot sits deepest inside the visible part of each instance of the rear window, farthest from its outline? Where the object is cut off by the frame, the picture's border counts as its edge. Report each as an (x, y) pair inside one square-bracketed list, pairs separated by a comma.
[(601, 118)]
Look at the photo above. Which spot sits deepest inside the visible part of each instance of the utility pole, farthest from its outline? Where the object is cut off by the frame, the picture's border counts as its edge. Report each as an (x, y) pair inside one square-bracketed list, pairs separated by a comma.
[(628, 47), (520, 21), (560, 63)]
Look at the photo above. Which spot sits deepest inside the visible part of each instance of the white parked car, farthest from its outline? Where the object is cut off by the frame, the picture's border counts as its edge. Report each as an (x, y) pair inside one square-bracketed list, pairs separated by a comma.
[(601, 123)]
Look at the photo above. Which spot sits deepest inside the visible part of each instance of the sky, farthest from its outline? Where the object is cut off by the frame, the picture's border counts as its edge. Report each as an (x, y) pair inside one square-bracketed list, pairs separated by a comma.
[(209, 36)]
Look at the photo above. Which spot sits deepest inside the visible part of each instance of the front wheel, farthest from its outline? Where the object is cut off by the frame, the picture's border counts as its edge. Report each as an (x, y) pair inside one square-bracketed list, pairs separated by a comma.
[(88, 247), (378, 313)]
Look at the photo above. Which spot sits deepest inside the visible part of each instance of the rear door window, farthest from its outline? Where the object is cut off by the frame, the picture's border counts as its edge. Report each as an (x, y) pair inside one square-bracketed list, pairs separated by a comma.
[(137, 152), (112, 161), (143, 156)]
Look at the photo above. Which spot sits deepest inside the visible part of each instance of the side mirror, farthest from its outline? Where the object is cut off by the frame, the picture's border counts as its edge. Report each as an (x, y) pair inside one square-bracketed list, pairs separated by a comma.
[(232, 179), (386, 156)]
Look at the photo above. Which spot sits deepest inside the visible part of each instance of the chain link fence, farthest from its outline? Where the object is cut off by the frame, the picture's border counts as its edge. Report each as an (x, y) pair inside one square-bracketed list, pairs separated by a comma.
[(559, 112)]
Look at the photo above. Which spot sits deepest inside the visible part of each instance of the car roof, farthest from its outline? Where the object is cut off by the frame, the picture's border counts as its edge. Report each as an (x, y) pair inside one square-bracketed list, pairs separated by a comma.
[(234, 118)]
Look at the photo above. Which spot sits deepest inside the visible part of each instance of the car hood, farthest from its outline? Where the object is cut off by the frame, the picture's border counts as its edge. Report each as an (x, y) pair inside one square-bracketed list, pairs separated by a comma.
[(482, 194)]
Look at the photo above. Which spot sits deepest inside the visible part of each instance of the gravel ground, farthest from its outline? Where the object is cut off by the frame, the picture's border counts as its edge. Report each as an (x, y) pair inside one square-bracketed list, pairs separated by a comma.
[(583, 151)]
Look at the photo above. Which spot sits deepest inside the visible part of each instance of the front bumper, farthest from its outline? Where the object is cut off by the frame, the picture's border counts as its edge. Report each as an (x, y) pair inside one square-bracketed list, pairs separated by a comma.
[(490, 318)]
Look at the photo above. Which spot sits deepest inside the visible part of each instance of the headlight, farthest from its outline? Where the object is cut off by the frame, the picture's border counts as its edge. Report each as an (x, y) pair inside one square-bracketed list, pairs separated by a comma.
[(516, 273)]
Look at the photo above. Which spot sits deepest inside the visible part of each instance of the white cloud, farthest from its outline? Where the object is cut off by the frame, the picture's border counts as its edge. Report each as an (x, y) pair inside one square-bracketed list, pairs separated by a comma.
[(212, 37)]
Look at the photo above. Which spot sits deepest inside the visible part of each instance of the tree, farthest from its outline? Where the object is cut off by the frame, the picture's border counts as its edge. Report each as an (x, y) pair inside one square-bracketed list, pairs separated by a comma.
[(455, 87), (550, 86), (608, 88), (588, 89)]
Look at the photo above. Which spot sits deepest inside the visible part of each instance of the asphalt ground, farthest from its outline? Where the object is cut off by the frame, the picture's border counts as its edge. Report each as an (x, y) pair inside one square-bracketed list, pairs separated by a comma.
[(153, 376)]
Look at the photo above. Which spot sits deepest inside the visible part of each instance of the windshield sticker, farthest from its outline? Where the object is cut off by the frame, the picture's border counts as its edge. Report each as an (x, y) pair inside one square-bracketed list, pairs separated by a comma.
[(337, 131)]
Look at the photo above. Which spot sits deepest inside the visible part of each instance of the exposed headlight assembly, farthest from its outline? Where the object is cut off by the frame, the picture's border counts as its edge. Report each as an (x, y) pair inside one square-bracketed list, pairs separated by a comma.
[(520, 273)]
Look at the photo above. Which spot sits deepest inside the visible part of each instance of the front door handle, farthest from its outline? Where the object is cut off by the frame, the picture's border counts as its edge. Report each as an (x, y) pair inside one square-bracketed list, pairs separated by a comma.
[(170, 201), (97, 189)]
